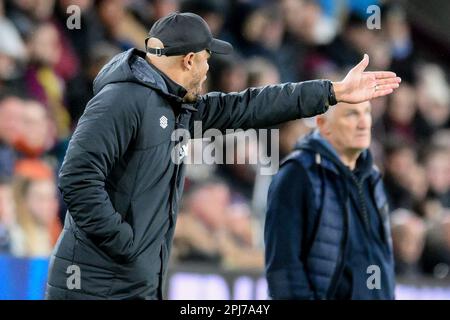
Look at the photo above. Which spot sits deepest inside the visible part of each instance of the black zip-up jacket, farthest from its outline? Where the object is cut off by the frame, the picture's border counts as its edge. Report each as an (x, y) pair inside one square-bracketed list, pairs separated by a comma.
[(120, 184)]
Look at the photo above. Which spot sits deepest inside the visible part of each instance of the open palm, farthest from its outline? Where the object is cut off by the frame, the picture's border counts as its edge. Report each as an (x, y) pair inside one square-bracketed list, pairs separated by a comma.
[(359, 86)]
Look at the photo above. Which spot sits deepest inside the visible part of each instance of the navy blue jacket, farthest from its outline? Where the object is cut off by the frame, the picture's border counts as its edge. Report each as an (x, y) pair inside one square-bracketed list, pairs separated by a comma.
[(325, 225)]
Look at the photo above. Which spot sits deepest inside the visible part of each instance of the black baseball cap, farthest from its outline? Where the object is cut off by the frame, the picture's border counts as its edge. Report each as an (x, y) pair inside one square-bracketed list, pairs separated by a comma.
[(185, 32)]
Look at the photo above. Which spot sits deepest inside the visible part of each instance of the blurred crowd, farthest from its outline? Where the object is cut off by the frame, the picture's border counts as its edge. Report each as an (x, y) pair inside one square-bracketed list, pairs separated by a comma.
[(46, 74)]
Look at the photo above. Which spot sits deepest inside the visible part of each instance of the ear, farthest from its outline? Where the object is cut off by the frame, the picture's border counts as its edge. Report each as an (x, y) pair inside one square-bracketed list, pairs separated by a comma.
[(321, 122), (188, 60)]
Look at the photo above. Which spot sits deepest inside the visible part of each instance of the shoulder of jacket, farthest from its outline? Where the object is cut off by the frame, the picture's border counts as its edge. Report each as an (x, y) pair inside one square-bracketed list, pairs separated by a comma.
[(376, 174), (305, 158)]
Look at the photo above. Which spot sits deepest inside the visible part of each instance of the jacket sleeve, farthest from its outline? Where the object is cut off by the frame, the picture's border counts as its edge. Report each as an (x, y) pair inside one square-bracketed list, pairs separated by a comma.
[(264, 106), (100, 139), (287, 207)]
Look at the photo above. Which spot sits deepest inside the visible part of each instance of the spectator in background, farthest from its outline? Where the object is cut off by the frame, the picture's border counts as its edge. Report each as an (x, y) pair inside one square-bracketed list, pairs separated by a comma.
[(243, 227), (436, 259), (11, 111), (146, 12), (262, 32), (305, 19), (38, 132), (29, 15), (230, 74), (213, 230), (261, 72), (12, 53), (433, 100), (290, 133), (408, 235), (400, 161), (399, 39), (25, 14), (37, 206), (119, 26), (441, 138), (43, 83), (437, 166), (11, 235), (212, 11), (80, 92), (200, 224), (161, 8), (399, 119), (81, 40), (354, 39)]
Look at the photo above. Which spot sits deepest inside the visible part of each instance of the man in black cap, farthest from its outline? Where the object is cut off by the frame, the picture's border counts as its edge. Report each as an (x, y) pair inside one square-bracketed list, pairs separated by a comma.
[(119, 178)]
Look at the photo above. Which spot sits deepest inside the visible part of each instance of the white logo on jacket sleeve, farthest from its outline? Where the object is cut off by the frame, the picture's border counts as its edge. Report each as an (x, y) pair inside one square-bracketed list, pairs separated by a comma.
[(163, 122)]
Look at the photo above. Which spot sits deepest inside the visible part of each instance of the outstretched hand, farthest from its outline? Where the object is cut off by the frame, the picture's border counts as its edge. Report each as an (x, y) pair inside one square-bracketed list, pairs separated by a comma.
[(359, 86)]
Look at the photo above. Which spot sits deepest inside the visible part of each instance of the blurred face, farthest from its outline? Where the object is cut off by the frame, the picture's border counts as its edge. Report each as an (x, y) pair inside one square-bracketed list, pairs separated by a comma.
[(36, 123), (197, 75), (438, 171), (42, 202), (409, 240), (162, 8), (111, 12), (234, 79), (402, 107), (418, 182), (347, 127), (209, 203), (11, 114), (401, 164), (45, 46), (290, 133)]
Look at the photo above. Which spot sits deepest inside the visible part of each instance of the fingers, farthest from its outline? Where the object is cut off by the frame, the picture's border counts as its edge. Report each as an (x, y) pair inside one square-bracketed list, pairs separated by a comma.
[(380, 93), (387, 86), (383, 74), (363, 64), (388, 81)]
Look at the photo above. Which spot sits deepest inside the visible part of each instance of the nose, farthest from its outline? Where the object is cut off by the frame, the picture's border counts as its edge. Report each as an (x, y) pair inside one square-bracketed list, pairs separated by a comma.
[(365, 121)]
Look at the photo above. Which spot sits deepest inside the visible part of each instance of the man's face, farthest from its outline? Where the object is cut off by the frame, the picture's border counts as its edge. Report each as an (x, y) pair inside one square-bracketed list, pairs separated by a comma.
[(199, 70), (348, 127)]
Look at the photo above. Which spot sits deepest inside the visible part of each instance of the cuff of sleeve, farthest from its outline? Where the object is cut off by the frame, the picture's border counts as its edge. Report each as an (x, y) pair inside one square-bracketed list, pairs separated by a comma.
[(331, 94)]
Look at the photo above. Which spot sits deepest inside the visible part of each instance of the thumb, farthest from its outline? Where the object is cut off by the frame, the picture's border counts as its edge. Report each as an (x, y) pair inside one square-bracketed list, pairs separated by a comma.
[(362, 65)]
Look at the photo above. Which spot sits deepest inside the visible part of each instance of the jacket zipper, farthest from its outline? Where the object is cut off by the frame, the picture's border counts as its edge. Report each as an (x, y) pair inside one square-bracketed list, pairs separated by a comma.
[(365, 215), (363, 205)]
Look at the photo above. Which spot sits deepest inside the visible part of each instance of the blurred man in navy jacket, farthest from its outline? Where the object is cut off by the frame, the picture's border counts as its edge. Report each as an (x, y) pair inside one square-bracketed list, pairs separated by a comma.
[(327, 230)]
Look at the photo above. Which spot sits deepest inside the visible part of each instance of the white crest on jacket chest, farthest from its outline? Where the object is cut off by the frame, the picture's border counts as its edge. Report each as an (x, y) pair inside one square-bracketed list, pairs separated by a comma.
[(163, 121)]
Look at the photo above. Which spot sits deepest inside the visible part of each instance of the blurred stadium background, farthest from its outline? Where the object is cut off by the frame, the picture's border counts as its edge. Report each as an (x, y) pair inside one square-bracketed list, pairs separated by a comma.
[(46, 72)]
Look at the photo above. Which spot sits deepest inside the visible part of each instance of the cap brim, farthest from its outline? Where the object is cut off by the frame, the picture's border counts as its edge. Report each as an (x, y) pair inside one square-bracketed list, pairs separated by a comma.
[(220, 46)]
